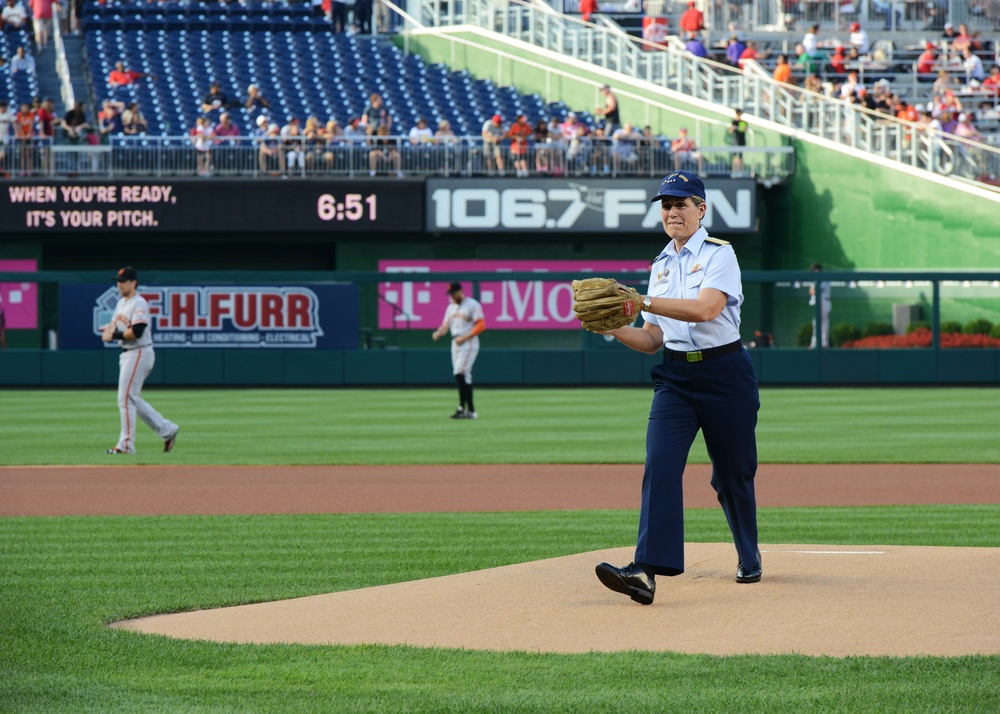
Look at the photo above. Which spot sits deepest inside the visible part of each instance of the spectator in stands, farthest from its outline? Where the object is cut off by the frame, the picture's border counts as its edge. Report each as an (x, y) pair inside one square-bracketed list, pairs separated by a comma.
[(420, 133), (354, 132), (203, 136), (267, 137), (625, 149), (927, 59), (649, 151), (905, 111), (949, 107), (109, 120), (134, 121), (541, 139), (610, 111), (950, 34), (446, 142), (338, 16), (600, 152), (782, 70), (685, 149), (813, 83), (692, 19), (376, 115), (384, 151), (850, 87), (363, 16), (492, 134), (24, 132), (75, 125), (810, 42), (966, 130), (738, 131), (13, 16), (121, 77), (696, 46), (333, 135), (734, 50), (588, 8), (255, 101), (750, 53), (226, 131), (838, 60), (942, 84), (992, 82), (572, 133), (22, 62), (314, 137), (927, 123), (973, 66), (519, 133), (806, 62), (45, 131), (293, 145), (859, 39), (215, 100), (41, 14), (865, 99), (7, 119), (556, 146), (965, 40)]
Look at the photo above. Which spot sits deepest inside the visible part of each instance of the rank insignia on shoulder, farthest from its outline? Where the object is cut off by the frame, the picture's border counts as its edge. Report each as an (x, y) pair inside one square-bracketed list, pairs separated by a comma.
[(717, 241)]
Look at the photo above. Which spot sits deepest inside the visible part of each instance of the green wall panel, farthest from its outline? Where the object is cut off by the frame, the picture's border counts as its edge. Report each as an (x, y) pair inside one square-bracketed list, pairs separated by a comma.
[(968, 366), (848, 366), (191, 366), (498, 367), (907, 367), (71, 367), (20, 367), (779, 366), (373, 367), (256, 367), (553, 367), (309, 367)]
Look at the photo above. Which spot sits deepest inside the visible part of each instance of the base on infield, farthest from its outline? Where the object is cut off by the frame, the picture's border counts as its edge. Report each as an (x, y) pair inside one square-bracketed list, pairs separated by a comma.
[(813, 600)]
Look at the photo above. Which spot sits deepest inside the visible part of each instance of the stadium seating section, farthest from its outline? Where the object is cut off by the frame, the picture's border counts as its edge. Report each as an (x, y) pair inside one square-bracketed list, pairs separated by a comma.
[(21, 87), (302, 68)]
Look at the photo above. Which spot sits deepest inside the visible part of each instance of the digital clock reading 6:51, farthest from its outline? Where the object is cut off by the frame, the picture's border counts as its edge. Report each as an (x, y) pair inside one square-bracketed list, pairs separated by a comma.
[(355, 207)]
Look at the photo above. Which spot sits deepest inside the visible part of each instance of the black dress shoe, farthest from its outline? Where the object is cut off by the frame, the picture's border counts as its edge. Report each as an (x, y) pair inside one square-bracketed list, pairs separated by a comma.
[(749, 575), (631, 580)]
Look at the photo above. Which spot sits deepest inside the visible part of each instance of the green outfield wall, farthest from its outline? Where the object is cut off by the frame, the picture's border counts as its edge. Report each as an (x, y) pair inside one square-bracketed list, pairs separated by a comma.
[(494, 367)]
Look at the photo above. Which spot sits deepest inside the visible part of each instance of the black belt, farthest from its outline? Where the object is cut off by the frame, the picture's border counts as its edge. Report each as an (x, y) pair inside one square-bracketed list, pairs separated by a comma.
[(700, 355)]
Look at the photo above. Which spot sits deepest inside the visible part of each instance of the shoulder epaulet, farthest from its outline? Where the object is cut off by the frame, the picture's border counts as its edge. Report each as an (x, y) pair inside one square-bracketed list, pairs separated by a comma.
[(717, 241)]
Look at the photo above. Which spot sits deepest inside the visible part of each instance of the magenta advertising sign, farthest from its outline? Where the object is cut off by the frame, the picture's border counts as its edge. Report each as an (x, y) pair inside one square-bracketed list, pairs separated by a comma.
[(19, 301), (508, 304)]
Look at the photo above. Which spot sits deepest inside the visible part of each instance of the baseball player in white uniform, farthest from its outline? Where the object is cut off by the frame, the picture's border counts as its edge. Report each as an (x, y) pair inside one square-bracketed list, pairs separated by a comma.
[(464, 317), (132, 328)]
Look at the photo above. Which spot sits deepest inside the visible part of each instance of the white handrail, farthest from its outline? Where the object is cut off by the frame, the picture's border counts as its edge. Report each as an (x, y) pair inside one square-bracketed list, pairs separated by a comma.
[(62, 66)]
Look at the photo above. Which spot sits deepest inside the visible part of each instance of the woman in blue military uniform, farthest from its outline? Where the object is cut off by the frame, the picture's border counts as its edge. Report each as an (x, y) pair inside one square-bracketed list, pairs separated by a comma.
[(706, 381)]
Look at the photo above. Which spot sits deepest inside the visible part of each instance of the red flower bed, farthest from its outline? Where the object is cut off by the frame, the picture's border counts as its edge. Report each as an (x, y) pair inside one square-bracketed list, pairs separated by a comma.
[(922, 338)]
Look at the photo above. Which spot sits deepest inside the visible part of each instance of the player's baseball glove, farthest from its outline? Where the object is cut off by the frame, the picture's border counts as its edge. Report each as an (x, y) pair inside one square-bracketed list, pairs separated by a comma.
[(603, 304)]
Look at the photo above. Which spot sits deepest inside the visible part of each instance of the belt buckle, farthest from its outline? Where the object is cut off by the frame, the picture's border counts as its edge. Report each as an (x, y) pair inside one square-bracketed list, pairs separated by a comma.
[(694, 356)]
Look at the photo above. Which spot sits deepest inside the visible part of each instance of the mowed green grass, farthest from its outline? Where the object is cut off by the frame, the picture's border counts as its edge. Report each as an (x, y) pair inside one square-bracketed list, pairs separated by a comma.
[(63, 579), (411, 426)]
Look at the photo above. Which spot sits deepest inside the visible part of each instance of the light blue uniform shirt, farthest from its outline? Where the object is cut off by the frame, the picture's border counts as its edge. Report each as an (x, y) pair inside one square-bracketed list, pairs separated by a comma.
[(701, 263)]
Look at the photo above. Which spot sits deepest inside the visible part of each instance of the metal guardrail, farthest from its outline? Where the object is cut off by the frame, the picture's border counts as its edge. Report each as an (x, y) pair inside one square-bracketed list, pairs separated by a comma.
[(753, 90), (392, 156)]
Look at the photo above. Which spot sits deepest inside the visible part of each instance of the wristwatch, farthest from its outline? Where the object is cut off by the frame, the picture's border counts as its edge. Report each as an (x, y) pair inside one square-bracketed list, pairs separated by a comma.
[(647, 303)]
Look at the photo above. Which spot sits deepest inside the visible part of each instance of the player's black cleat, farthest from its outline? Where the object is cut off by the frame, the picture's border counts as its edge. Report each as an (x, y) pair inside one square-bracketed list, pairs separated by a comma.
[(459, 414), (115, 450), (168, 443)]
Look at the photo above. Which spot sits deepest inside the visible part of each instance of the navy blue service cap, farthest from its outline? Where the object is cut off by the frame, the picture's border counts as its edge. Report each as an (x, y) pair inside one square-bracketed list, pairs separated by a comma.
[(127, 273), (681, 184)]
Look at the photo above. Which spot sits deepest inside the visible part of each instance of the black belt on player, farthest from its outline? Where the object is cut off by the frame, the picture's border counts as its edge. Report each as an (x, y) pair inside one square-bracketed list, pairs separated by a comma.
[(701, 355)]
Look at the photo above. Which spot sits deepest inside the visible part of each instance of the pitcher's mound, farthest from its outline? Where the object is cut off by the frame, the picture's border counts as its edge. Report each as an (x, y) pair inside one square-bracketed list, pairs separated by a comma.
[(813, 600)]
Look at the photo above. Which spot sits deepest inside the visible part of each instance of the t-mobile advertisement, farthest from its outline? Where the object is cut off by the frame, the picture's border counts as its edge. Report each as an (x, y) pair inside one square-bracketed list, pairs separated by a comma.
[(508, 304), (287, 317), (19, 301)]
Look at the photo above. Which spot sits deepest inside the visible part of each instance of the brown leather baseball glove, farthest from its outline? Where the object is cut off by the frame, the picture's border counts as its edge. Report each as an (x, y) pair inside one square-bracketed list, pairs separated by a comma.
[(603, 304)]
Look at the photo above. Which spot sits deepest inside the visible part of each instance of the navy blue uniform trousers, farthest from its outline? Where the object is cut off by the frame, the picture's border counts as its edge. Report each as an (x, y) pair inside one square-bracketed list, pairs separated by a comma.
[(720, 397)]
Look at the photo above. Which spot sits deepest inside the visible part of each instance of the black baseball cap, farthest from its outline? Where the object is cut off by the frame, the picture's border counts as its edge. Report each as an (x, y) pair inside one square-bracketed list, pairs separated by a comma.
[(127, 273), (681, 184), (454, 287)]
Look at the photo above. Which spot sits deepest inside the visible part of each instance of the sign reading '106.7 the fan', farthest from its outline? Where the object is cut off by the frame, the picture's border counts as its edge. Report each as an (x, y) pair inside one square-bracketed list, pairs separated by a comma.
[(579, 205)]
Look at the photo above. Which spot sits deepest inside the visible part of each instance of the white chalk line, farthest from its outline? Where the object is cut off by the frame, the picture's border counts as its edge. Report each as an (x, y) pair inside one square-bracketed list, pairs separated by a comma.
[(829, 552)]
